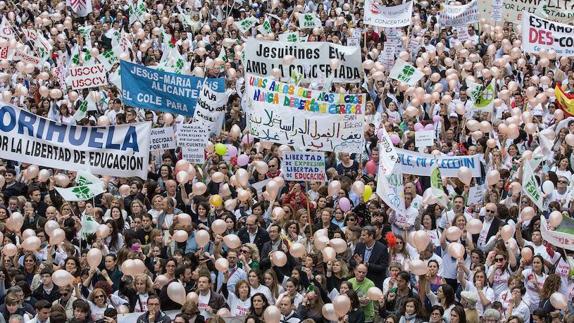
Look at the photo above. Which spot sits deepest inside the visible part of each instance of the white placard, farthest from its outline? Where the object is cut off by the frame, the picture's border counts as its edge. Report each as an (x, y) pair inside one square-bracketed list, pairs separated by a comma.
[(424, 138), (162, 139), (381, 16)]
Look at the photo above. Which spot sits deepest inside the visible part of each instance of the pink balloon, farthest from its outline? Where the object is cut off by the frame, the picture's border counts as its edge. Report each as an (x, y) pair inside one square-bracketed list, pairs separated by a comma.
[(506, 232), (474, 226), (338, 244), (465, 175), (492, 177), (124, 190), (328, 253), (219, 226), (527, 213), (221, 265), (58, 236), (297, 250), (453, 233), (419, 267), (232, 241), (328, 312), (161, 280), (344, 204), (10, 250), (371, 167), (180, 236), (272, 314), (32, 243), (421, 240), (242, 160), (342, 305), (199, 188), (176, 292), (320, 242), (334, 188), (28, 233), (62, 278), (94, 257), (278, 258), (555, 218), (201, 238), (456, 250), (183, 218)]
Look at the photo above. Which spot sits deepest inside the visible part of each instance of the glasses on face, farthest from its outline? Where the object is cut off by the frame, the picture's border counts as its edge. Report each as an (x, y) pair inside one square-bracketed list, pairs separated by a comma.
[(98, 296), (490, 211), (499, 259), (351, 219)]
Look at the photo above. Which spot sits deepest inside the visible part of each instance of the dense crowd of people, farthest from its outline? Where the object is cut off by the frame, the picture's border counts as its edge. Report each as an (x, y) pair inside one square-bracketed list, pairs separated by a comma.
[(231, 240)]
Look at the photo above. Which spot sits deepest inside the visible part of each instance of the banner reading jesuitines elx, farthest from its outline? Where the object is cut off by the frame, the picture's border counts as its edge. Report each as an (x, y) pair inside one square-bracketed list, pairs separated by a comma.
[(543, 34), (381, 16), (147, 88), (313, 60), (307, 119), (121, 151)]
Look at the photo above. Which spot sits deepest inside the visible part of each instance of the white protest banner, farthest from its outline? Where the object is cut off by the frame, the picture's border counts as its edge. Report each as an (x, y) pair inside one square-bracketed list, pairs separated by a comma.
[(557, 10), (556, 238), (303, 166), (80, 193), (462, 15), (121, 151), (305, 118), (162, 139), (424, 138), (541, 34), (84, 178), (309, 20), (420, 164), (388, 156), (530, 186), (484, 99), (6, 30), (405, 72), (312, 59), (192, 138), (210, 108), (513, 10), (82, 77), (25, 58), (496, 10), (390, 188), (397, 16)]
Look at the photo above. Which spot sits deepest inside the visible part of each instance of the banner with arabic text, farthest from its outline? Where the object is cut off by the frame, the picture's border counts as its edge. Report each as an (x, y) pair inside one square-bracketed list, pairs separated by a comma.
[(305, 118)]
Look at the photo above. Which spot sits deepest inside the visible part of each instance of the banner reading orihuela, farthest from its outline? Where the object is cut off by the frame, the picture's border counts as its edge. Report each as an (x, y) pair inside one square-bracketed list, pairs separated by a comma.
[(462, 15), (313, 60), (381, 16), (147, 88), (115, 150), (305, 118), (420, 164), (542, 34), (303, 166)]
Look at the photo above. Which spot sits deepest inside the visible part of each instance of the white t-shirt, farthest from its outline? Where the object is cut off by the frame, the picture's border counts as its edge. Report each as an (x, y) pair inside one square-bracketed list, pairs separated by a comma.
[(265, 291), (237, 306), (486, 290), (562, 270), (500, 282), (203, 304), (532, 297), (522, 311)]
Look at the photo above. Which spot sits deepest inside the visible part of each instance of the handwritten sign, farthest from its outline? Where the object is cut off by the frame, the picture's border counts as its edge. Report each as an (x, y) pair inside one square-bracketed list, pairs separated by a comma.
[(387, 153), (192, 138), (424, 138), (210, 108), (307, 119), (303, 166), (162, 139)]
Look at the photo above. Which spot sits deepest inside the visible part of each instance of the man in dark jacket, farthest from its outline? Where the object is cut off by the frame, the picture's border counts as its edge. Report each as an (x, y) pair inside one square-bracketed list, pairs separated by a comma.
[(154, 313), (373, 254), (252, 233)]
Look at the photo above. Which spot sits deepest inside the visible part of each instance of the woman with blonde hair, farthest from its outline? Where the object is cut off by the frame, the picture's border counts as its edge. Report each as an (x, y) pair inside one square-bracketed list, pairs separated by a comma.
[(249, 257), (99, 301), (337, 271), (272, 282), (143, 288)]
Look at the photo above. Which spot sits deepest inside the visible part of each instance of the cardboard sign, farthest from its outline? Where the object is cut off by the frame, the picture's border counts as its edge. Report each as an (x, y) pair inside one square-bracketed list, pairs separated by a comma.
[(162, 139), (303, 166), (192, 138), (463, 15), (210, 108), (424, 138)]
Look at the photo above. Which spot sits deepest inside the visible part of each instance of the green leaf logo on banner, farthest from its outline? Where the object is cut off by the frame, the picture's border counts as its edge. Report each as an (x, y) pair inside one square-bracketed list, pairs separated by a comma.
[(82, 192), (436, 179), (308, 18), (292, 38)]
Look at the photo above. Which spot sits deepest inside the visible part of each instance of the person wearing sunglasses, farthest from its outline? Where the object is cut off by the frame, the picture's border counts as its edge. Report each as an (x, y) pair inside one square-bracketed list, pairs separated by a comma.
[(490, 226), (66, 300)]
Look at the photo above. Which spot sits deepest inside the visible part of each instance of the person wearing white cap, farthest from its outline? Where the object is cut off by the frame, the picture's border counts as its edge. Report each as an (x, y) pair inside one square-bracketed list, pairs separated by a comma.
[(469, 300)]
